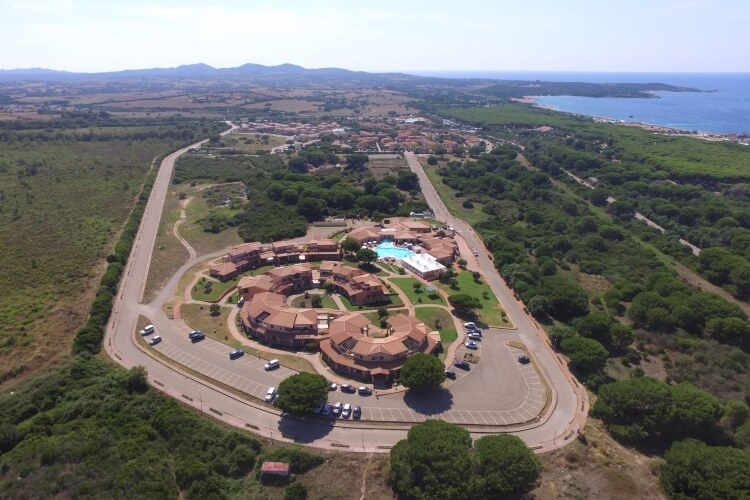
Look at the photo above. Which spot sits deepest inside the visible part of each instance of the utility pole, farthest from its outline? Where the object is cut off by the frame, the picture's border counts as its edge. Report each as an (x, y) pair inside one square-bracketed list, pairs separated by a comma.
[(200, 396)]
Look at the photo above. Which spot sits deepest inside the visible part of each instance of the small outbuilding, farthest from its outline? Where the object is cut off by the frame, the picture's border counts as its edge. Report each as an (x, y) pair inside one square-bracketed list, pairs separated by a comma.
[(275, 470)]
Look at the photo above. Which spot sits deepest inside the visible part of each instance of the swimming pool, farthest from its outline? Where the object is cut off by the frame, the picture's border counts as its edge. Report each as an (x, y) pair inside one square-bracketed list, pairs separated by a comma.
[(388, 249)]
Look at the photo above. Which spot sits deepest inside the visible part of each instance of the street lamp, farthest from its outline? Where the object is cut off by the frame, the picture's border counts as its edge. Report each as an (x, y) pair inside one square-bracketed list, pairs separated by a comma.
[(200, 396)]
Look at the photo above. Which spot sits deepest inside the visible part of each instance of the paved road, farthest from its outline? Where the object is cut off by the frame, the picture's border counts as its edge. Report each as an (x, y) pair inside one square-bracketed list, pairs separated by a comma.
[(481, 397), (571, 401)]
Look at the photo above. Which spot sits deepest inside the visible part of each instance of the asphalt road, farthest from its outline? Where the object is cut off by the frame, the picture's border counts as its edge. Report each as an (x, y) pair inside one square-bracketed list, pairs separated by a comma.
[(498, 391)]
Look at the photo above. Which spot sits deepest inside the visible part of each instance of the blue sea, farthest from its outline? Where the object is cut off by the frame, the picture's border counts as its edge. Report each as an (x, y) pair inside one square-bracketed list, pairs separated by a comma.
[(725, 110)]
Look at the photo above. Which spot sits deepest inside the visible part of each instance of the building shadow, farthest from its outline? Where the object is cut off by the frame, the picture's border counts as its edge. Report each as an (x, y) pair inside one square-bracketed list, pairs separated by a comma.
[(429, 401), (305, 430)]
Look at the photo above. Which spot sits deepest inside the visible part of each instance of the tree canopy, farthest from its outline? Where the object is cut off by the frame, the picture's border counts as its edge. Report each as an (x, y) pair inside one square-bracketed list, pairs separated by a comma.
[(641, 408), (505, 466), (367, 255), (302, 392), (585, 354), (434, 461), (464, 303), (695, 470), (437, 460), (422, 371), (350, 245), (356, 161)]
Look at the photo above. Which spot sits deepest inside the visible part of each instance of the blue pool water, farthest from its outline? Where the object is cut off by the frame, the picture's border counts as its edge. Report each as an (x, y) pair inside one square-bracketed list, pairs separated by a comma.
[(388, 249)]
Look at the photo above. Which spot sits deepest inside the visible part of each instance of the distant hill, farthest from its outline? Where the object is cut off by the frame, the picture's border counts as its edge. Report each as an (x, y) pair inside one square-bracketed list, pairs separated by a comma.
[(292, 75)]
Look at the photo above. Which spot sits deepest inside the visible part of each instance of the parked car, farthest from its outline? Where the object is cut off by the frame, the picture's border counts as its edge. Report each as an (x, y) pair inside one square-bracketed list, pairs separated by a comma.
[(524, 360), (148, 330), (365, 391), (333, 386), (154, 340), (327, 409), (337, 409), (346, 411), (271, 365), (348, 388), (450, 374), (270, 394), (474, 336), (357, 412), (318, 409), (236, 353), (463, 364), (196, 336), (471, 345), (470, 325)]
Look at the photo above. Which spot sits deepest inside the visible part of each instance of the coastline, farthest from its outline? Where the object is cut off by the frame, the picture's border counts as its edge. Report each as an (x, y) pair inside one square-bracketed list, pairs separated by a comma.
[(656, 129)]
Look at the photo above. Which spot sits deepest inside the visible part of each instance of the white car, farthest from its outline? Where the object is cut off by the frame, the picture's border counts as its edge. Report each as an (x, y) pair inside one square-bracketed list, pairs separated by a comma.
[(270, 394), (154, 340), (346, 411), (337, 409), (271, 365)]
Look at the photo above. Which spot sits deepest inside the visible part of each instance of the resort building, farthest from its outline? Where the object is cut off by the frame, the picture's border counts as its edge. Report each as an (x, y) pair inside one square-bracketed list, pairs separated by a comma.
[(357, 285), (253, 255), (423, 265), (361, 350), (348, 341)]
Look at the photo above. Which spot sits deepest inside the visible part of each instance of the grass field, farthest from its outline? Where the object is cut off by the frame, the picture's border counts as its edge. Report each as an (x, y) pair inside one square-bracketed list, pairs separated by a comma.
[(375, 319), (327, 303), (215, 292), (393, 301), (429, 315), (491, 313), (407, 286), (62, 204), (253, 142), (472, 216)]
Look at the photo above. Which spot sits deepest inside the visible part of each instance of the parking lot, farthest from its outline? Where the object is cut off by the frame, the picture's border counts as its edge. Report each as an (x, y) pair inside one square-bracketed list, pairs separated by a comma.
[(496, 391), (211, 359)]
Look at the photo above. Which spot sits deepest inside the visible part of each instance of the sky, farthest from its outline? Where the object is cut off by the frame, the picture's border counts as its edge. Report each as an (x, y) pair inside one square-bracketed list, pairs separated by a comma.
[(387, 35)]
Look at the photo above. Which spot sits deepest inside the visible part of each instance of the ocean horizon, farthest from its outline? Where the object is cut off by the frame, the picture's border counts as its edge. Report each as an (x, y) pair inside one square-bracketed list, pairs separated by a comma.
[(722, 105)]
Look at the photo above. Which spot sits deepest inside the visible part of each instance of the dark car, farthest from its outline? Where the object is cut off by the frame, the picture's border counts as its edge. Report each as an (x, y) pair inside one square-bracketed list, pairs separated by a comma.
[(196, 336), (236, 353), (524, 360), (348, 388), (357, 412), (460, 363), (364, 391), (450, 374)]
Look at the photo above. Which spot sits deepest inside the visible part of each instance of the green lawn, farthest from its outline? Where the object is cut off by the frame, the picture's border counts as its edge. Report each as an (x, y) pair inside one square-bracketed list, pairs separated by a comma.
[(328, 302), (429, 315), (491, 312), (217, 289), (407, 286), (375, 319), (393, 300)]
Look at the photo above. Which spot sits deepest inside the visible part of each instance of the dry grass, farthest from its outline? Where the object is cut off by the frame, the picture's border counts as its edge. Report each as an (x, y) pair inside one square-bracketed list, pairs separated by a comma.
[(288, 105), (169, 254), (597, 467)]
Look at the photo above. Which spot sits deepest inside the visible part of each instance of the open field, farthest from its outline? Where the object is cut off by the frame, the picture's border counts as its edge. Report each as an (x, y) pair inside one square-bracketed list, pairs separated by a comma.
[(423, 297), (253, 142), (327, 303), (434, 316), (472, 216), (491, 313), (62, 204)]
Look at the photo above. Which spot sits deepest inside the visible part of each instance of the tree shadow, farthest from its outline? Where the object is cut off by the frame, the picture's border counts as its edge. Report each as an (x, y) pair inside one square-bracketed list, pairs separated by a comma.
[(305, 429), (429, 401)]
